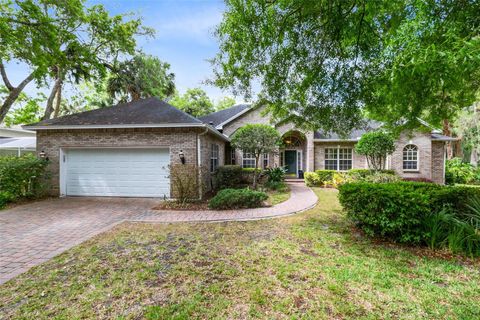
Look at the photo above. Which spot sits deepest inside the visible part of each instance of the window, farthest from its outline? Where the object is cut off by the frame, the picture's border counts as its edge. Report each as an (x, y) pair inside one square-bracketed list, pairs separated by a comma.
[(248, 160), (344, 159), (265, 160), (410, 157), (232, 156), (339, 159), (213, 157)]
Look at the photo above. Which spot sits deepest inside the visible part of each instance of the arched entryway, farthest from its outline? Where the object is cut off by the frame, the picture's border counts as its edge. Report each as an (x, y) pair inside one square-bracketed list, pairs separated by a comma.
[(292, 152)]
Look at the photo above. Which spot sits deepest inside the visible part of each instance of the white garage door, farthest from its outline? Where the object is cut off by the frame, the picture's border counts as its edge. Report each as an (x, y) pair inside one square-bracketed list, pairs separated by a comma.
[(117, 172)]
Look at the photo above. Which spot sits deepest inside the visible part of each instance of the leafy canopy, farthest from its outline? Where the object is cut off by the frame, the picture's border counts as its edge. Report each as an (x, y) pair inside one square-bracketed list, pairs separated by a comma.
[(143, 76), (194, 102), (224, 103), (322, 63), (63, 41), (256, 139), (376, 145)]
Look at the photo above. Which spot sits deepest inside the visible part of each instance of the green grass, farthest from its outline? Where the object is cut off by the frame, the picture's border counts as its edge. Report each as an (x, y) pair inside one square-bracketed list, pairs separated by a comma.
[(276, 197), (310, 266)]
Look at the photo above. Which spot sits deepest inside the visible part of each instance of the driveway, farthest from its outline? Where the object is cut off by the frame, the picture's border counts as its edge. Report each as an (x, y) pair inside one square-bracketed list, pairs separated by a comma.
[(34, 233)]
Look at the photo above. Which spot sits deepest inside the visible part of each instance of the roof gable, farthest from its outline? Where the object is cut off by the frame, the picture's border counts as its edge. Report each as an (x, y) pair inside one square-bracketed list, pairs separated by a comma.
[(143, 111), (226, 115)]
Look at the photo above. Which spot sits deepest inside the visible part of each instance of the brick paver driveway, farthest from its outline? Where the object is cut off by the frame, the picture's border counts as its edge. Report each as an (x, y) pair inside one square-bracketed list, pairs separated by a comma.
[(33, 233)]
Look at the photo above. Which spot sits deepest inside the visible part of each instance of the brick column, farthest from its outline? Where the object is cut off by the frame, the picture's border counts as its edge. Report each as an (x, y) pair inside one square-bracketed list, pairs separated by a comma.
[(310, 152)]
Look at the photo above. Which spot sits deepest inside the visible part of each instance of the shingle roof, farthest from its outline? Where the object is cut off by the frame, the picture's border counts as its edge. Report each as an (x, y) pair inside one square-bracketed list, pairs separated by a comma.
[(143, 111), (221, 116), (354, 134), (441, 137)]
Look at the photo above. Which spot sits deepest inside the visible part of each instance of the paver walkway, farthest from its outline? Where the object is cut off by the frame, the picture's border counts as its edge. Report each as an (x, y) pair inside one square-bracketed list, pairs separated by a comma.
[(34, 233)]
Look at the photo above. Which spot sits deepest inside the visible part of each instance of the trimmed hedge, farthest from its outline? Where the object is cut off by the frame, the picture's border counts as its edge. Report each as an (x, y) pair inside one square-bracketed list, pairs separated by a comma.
[(333, 178), (21, 177), (237, 199), (398, 210), (229, 176)]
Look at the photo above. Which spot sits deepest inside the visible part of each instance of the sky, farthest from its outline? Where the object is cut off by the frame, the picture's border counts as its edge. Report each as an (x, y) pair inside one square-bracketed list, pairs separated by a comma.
[(184, 38)]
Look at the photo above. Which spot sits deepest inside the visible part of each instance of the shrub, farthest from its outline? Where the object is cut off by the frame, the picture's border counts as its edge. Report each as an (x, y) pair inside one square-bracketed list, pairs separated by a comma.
[(381, 177), (311, 179), (359, 174), (276, 186), (420, 179), (332, 178), (187, 181), (22, 176), (237, 198), (457, 171), (325, 175), (226, 177), (375, 146), (398, 210), (457, 231), (5, 198), (276, 174), (248, 174)]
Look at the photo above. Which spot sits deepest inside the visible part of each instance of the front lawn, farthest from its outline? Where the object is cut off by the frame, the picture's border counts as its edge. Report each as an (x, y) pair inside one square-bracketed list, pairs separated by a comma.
[(279, 196), (312, 265)]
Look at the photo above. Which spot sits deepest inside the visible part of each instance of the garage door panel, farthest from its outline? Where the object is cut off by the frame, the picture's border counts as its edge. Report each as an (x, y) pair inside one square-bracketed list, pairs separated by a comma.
[(117, 172)]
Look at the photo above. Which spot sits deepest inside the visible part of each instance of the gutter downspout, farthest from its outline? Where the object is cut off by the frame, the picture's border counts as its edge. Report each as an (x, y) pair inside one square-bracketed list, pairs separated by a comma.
[(199, 163)]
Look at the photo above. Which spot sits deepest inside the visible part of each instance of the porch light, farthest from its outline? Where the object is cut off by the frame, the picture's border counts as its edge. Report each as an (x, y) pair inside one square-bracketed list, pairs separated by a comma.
[(182, 156), (43, 155)]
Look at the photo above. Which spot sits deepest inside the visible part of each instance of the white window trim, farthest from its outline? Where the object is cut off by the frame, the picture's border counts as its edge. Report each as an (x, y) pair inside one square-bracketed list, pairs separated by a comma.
[(265, 158), (233, 156), (338, 148), (417, 161), (250, 158), (214, 151)]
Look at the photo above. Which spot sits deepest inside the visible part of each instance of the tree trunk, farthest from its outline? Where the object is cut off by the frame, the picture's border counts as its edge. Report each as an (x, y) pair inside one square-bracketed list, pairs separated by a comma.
[(255, 172), (53, 93), (13, 96), (448, 132), (474, 157), (58, 101)]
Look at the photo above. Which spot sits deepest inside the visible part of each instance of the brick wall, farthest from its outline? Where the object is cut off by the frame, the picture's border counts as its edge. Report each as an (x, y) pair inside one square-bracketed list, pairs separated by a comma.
[(206, 142), (177, 139), (438, 159), (424, 145)]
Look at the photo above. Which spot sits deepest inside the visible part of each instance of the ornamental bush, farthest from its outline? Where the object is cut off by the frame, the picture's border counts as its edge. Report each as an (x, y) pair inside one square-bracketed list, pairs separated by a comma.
[(332, 178), (457, 171), (237, 199), (398, 210), (21, 177), (375, 146), (311, 179), (276, 174), (229, 176)]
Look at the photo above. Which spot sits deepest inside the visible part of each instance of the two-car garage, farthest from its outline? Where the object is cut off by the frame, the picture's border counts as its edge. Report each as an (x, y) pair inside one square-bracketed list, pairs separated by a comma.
[(115, 172)]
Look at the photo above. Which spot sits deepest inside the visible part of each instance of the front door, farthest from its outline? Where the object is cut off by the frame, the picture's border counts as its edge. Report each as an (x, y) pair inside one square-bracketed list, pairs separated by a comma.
[(291, 161)]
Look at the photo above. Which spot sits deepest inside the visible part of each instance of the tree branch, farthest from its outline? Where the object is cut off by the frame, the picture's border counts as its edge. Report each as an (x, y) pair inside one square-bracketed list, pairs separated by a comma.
[(5, 78)]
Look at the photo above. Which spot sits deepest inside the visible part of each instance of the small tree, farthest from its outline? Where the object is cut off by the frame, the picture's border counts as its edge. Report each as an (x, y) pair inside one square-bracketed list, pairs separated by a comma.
[(375, 146), (256, 139)]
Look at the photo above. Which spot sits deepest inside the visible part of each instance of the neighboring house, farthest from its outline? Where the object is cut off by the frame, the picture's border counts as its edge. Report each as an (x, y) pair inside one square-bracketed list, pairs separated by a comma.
[(15, 132), (418, 156), (16, 141), (126, 150)]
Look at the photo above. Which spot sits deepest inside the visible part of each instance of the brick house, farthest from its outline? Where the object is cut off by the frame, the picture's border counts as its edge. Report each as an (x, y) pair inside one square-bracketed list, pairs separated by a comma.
[(127, 150), (420, 155)]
